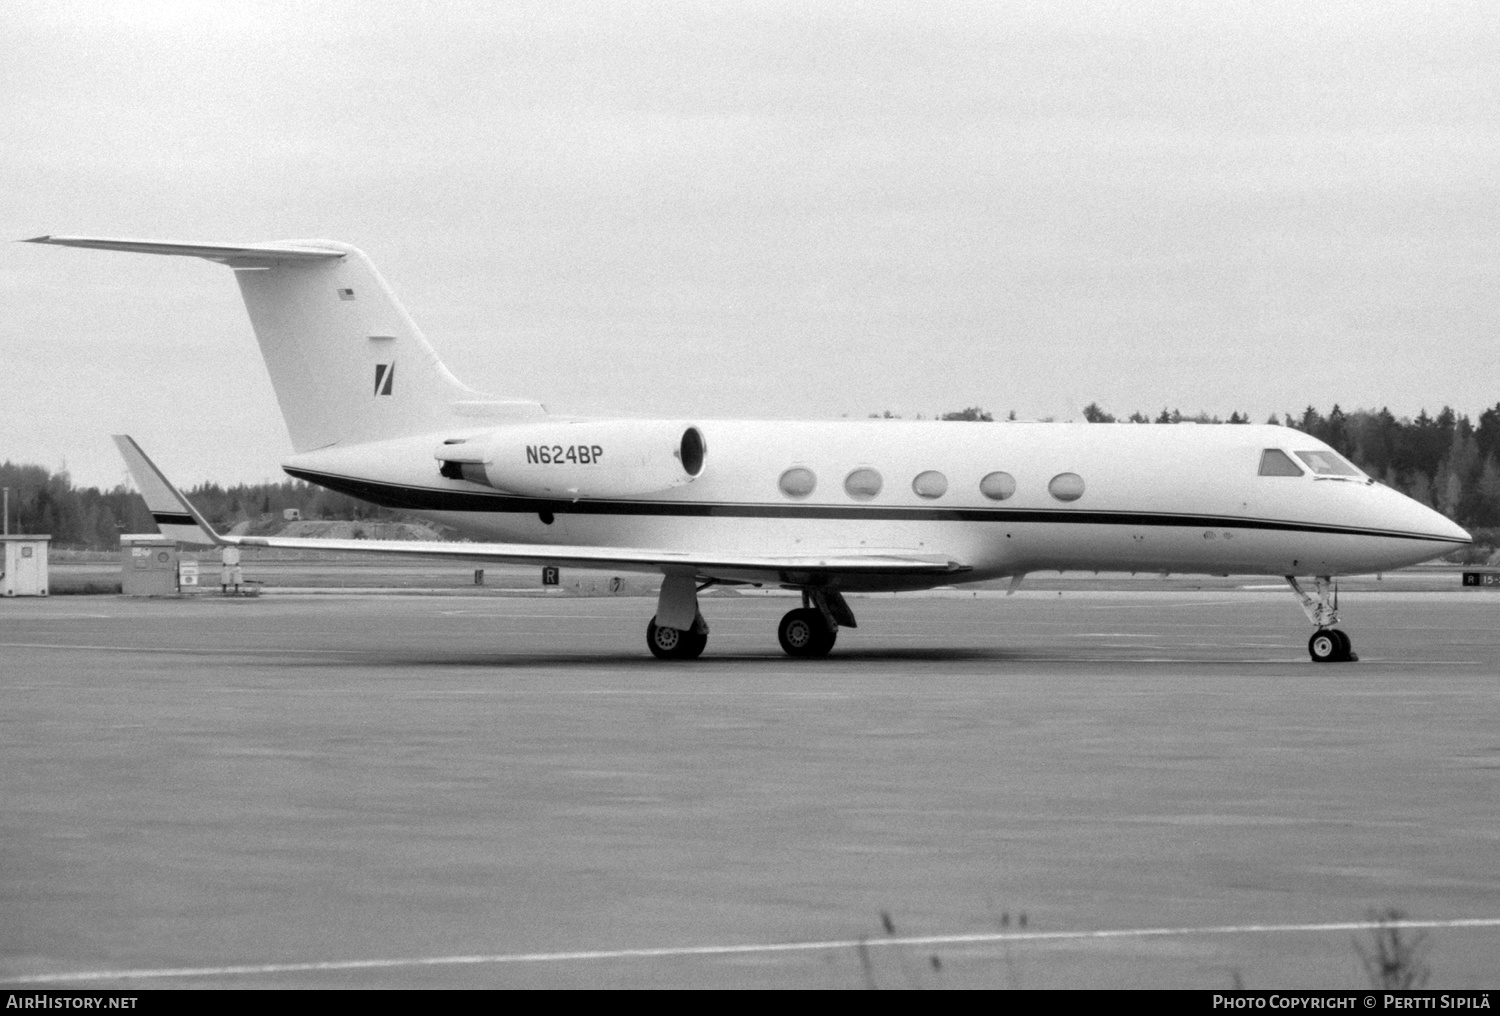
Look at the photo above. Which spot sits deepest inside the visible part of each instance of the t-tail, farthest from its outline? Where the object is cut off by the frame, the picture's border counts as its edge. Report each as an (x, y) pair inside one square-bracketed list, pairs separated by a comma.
[(347, 362)]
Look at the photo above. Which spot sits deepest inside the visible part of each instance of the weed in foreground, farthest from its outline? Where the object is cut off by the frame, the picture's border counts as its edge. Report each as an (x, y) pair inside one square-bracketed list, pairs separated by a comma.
[(1394, 958), (913, 975)]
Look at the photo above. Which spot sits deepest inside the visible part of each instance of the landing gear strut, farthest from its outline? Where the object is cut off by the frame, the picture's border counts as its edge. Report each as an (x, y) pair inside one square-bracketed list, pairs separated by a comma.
[(1328, 644)]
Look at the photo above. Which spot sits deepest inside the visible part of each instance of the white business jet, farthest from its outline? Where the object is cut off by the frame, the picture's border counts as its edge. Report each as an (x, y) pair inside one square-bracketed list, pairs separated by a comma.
[(824, 508)]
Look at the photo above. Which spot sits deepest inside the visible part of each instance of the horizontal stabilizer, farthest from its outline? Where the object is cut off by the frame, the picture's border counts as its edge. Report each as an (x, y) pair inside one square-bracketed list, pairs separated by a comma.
[(222, 252), (348, 364)]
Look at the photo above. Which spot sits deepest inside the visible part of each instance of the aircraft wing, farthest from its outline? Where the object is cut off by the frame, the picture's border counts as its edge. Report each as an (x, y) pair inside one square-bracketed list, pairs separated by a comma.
[(178, 519)]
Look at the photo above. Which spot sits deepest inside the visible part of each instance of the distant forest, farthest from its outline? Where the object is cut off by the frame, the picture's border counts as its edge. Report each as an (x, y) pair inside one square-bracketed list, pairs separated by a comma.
[(1445, 461)]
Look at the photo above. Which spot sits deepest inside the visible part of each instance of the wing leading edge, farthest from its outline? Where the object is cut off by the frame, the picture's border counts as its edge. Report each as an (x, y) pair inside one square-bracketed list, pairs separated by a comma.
[(178, 519)]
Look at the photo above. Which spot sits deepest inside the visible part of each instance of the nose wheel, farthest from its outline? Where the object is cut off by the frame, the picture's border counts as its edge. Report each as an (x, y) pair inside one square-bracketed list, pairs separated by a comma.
[(1330, 645)]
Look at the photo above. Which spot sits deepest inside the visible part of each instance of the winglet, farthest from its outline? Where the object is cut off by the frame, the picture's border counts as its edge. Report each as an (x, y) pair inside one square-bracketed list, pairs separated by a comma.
[(174, 515)]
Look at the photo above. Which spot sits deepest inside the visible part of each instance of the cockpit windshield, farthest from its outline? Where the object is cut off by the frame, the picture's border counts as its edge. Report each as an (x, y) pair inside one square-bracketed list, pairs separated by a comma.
[(1275, 462), (1328, 464)]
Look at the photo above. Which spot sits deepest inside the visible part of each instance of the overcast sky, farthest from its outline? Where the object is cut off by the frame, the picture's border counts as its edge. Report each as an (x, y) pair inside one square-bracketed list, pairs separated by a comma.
[(757, 209)]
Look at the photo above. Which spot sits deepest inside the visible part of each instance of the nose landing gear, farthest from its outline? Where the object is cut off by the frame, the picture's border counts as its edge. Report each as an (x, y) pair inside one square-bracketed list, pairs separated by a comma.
[(1328, 644)]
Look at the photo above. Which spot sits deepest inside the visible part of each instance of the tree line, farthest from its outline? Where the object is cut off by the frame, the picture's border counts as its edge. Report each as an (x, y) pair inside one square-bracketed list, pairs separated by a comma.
[(1448, 462)]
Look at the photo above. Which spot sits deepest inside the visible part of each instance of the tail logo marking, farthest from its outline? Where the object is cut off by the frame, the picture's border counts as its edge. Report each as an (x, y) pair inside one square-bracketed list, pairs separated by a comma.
[(385, 374)]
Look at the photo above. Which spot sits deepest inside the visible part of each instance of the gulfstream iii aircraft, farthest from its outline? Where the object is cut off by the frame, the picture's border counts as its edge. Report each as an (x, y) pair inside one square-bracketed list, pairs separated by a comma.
[(823, 508)]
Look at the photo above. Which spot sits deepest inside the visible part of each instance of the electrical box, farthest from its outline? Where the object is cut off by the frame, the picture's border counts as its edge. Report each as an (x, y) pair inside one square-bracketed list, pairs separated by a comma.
[(25, 567), (148, 565)]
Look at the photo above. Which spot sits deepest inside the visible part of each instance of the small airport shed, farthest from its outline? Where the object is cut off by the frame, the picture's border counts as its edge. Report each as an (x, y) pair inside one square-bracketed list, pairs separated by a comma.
[(148, 565), (25, 570)]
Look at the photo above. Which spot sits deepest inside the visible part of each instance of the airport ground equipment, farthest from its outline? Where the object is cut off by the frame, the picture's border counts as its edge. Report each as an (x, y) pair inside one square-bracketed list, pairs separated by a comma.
[(231, 574), (148, 565), (25, 571)]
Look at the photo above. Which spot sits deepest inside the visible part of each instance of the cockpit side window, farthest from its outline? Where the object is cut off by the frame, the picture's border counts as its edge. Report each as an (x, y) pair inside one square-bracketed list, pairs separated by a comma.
[(1327, 464), (1275, 462)]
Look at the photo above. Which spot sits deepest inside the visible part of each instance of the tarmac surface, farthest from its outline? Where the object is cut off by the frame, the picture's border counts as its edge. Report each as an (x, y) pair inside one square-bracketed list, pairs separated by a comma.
[(461, 790)]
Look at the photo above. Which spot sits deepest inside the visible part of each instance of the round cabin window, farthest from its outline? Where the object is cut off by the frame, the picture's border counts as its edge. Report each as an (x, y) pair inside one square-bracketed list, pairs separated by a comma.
[(997, 486), (862, 484), (1066, 487), (930, 484), (798, 482)]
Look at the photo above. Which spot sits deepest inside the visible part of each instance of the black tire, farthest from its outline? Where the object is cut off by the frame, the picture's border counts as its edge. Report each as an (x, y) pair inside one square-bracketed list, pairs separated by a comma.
[(673, 643), (1346, 646), (1325, 646), (804, 633), (796, 633), (693, 644)]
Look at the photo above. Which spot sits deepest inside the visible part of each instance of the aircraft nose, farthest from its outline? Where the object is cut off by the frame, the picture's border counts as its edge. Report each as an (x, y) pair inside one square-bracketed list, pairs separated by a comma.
[(1455, 532), (1434, 525), (1404, 516)]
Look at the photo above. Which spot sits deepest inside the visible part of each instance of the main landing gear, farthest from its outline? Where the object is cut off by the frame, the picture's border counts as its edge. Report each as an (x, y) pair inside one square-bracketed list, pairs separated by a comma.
[(812, 630), (676, 644), (678, 631), (1328, 644), (804, 633)]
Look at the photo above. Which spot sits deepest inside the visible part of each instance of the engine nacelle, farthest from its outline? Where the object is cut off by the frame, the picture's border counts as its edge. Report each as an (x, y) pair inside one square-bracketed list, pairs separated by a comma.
[(584, 458)]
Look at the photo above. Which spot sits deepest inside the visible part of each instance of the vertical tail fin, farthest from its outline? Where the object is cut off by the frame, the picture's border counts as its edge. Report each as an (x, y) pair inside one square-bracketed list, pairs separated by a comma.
[(347, 362)]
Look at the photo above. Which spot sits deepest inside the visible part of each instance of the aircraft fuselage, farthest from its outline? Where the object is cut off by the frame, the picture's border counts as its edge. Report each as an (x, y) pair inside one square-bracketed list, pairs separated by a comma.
[(1180, 498)]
